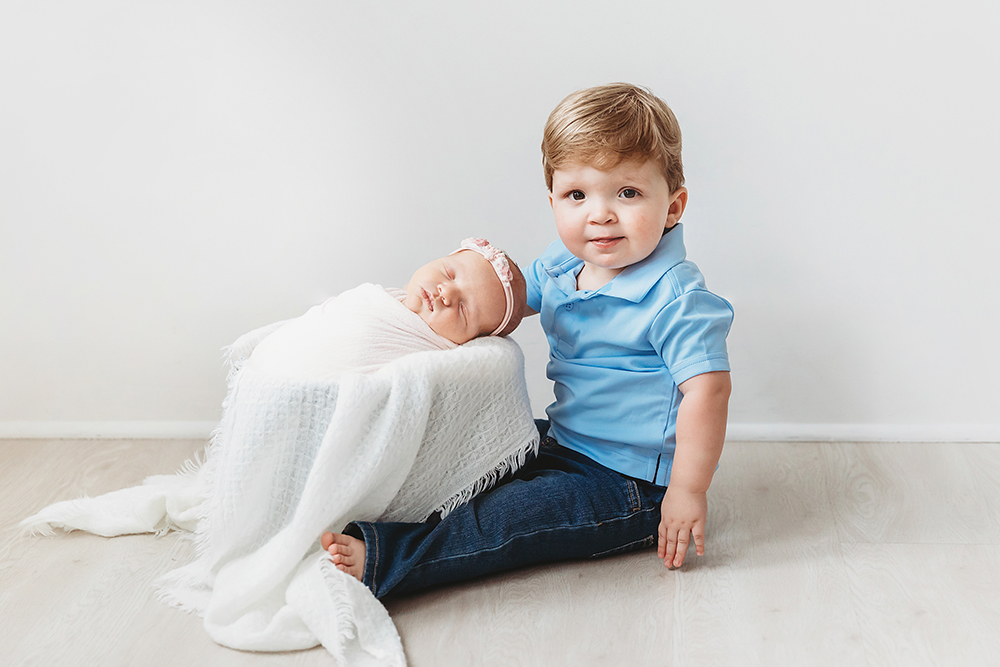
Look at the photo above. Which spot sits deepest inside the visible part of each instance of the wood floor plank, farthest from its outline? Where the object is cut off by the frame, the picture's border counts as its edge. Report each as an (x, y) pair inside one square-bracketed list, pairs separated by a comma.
[(912, 493), (984, 495), (819, 554), (83, 607), (75, 592), (776, 575), (575, 613), (937, 605)]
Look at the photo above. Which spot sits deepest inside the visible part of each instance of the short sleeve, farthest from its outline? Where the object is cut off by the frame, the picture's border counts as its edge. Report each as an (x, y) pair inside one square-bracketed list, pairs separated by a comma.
[(690, 333), (535, 278)]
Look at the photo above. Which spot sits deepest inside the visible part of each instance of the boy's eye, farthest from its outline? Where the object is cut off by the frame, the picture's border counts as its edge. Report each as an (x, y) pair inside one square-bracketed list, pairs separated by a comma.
[(629, 193), (577, 195)]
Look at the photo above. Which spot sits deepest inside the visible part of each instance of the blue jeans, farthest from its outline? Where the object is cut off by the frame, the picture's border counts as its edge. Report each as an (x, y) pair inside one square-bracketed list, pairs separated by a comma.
[(559, 505)]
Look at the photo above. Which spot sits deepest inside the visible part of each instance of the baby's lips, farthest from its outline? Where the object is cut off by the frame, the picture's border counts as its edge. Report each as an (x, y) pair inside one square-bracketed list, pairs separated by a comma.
[(428, 301)]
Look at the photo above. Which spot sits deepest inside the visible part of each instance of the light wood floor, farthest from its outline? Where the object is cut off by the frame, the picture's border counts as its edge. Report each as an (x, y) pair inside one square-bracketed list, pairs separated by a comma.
[(819, 554)]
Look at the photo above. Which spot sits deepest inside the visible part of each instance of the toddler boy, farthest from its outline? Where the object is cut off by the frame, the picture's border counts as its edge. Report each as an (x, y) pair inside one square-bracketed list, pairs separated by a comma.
[(639, 364)]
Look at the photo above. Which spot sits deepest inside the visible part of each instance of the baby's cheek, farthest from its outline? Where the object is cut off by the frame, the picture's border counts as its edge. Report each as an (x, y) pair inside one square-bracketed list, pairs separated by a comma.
[(438, 327), (462, 333)]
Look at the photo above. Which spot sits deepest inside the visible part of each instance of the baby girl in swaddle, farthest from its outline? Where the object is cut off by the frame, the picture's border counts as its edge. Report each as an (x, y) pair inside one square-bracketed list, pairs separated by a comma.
[(474, 291), (307, 442)]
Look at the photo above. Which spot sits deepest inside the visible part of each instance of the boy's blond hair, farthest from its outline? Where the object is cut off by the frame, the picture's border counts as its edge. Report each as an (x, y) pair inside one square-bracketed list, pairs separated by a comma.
[(607, 125)]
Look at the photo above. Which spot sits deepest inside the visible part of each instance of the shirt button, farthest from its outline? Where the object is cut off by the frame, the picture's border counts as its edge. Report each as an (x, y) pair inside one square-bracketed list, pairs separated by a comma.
[(569, 306)]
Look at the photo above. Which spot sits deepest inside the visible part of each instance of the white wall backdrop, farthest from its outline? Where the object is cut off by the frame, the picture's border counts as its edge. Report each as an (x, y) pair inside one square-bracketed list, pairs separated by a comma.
[(173, 174)]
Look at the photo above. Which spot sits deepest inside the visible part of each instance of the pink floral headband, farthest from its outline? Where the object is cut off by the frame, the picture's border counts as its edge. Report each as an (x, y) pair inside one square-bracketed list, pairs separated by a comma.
[(498, 261)]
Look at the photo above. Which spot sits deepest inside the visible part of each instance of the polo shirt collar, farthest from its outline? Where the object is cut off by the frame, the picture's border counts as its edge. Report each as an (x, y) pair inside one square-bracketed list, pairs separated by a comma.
[(635, 281)]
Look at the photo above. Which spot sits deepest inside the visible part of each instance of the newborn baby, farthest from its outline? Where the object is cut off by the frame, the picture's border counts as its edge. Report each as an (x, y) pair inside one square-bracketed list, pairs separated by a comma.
[(475, 291)]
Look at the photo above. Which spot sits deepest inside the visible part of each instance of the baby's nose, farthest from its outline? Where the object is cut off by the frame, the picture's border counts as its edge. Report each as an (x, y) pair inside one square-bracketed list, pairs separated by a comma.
[(445, 292)]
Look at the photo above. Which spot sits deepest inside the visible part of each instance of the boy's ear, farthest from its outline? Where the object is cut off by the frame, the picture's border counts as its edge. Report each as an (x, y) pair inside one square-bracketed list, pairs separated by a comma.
[(678, 201), (551, 204)]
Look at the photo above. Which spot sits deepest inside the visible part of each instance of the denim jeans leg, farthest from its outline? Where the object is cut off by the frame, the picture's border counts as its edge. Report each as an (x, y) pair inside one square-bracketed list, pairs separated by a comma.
[(560, 505)]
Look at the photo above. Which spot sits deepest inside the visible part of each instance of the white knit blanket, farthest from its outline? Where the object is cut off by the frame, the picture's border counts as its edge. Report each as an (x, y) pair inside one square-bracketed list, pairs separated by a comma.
[(294, 458)]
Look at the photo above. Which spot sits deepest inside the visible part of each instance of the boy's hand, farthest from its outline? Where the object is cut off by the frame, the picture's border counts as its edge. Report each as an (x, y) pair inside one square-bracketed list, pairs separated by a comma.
[(701, 431), (682, 514)]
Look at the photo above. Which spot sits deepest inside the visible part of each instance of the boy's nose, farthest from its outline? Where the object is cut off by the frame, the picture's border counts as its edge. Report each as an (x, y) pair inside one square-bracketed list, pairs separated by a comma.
[(602, 214)]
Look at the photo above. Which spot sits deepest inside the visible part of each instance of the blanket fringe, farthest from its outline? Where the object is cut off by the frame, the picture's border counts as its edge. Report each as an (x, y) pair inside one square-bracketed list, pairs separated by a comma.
[(171, 600), (503, 468), (201, 464), (192, 467), (343, 609), (31, 528), (353, 634)]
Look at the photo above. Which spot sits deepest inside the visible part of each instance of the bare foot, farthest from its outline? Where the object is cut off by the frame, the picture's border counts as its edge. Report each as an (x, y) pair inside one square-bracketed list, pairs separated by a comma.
[(346, 552)]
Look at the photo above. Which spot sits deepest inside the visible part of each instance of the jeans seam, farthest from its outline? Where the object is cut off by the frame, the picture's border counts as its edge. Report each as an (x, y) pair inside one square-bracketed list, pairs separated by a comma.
[(643, 540), (375, 561), (369, 536), (535, 532), (633, 495)]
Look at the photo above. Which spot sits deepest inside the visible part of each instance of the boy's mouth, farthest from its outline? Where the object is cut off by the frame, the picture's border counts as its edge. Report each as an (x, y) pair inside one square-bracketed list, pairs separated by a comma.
[(606, 241)]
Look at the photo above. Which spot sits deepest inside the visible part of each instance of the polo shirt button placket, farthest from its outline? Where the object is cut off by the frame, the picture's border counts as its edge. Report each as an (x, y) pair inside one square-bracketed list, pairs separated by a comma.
[(569, 306)]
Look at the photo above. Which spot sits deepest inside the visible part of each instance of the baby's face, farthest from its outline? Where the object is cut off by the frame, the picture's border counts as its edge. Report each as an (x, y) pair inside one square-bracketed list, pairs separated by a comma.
[(459, 296)]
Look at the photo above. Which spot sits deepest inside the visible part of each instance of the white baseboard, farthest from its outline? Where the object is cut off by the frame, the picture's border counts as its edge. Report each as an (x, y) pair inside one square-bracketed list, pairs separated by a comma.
[(863, 432), (143, 430), (738, 432)]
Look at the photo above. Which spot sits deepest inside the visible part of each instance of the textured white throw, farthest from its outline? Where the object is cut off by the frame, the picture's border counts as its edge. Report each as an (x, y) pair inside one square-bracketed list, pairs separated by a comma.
[(296, 456)]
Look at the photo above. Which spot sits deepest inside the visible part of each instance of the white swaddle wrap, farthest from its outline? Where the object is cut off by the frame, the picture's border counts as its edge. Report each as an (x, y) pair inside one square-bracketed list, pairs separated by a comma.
[(306, 445), (359, 330)]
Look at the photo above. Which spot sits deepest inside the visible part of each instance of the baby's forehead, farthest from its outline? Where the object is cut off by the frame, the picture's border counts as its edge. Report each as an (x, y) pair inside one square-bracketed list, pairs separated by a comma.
[(478, 268), (470, 259)]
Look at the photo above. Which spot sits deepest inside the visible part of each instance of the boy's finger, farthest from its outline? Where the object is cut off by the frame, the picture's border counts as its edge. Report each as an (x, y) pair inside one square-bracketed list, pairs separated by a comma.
[(668, 555), (699, 540), (682, 547), (661, 542)]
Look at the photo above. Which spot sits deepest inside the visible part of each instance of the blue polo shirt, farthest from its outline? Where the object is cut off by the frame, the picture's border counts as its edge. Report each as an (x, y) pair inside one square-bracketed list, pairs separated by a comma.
[(617, 354)]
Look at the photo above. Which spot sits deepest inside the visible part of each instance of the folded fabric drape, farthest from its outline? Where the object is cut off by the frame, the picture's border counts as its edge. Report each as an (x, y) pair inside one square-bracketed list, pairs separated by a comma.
[(293, 458)]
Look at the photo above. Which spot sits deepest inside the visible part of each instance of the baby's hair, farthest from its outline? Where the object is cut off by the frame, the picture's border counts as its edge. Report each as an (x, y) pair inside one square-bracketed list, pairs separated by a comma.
[(607, 125), (518, 288)]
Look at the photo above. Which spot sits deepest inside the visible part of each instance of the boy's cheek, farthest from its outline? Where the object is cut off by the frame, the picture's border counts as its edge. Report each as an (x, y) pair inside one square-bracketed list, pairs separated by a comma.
[(568, 232)]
